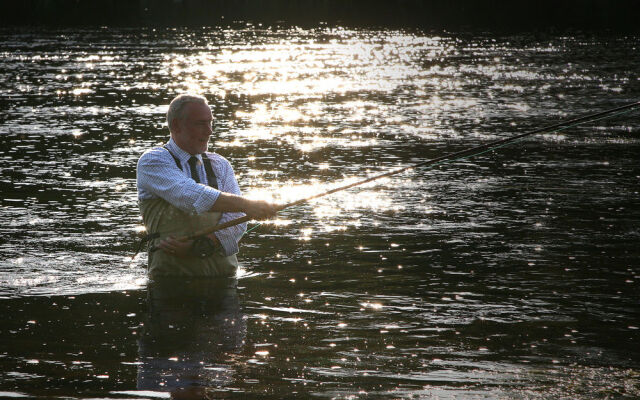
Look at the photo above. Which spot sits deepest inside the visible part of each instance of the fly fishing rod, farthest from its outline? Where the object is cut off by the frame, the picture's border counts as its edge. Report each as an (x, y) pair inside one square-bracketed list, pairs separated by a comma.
[(447, 157)]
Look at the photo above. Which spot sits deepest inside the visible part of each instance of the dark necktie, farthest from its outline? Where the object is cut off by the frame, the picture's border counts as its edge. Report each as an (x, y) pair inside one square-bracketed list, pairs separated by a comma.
[(193, 163)]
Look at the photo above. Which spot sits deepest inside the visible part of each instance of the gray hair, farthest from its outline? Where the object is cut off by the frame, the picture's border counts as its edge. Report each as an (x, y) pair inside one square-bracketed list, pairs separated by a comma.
[(176, 107)]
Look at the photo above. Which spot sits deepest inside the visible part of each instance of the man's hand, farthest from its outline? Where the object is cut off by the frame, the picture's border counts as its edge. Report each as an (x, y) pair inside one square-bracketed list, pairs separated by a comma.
[(176, 248), (260, 209)]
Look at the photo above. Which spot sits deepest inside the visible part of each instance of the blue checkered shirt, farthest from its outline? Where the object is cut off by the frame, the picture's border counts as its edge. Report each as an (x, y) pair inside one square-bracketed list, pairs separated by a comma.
[(159, 177)]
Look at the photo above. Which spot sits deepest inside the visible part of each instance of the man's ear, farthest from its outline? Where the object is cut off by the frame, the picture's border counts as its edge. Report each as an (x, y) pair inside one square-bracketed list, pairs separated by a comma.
[(175, 126)]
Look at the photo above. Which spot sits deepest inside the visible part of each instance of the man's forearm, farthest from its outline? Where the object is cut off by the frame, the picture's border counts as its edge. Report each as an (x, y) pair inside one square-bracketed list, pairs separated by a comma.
[(228, 202), (257, 209)]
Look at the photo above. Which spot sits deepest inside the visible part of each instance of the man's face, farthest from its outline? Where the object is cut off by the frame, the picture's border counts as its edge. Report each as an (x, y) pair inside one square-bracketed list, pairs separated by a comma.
[(192, 132)]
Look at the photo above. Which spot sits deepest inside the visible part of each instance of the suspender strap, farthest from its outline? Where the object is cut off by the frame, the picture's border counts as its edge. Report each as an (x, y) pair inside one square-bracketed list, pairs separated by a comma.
[(211, 176), (174, 157)]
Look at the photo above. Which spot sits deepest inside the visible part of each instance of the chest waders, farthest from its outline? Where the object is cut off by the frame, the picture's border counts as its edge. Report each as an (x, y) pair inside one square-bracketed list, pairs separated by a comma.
[(160, 216)]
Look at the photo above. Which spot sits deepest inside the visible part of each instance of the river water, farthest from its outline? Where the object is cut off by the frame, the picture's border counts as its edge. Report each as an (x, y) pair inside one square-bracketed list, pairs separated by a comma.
[(513, 274)]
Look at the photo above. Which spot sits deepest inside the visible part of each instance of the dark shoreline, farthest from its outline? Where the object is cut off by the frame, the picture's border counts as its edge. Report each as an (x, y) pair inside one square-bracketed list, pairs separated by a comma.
[(620, 15)]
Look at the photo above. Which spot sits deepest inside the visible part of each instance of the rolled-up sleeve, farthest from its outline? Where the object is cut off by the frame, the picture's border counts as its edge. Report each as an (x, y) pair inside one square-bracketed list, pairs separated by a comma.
[(229, 237), (159, 176)]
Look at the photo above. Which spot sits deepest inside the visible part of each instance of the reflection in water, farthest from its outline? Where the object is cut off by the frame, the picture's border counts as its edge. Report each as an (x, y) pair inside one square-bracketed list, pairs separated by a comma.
[(515, 272), (192, 330)]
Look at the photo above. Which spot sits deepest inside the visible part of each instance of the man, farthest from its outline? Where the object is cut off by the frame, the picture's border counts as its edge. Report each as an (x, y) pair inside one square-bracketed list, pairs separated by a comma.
[(183, 188)]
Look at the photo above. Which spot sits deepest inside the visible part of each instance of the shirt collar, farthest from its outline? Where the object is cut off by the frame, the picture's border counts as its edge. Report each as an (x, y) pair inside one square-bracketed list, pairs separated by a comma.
[(182, 155)]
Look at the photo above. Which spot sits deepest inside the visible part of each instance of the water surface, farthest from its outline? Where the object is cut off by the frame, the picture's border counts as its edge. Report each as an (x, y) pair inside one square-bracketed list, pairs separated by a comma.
[(513, 274)]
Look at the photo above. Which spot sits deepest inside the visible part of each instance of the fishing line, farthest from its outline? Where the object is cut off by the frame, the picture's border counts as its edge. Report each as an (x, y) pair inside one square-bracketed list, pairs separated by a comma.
[(449, 161), (252, 229), (445, 159)]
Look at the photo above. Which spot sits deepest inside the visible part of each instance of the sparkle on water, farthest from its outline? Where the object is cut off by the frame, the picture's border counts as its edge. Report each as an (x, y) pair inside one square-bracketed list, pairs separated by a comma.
[(513, 275)]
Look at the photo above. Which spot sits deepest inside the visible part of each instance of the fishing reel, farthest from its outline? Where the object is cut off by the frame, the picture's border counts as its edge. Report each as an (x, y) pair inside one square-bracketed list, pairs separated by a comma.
[(203, 247)]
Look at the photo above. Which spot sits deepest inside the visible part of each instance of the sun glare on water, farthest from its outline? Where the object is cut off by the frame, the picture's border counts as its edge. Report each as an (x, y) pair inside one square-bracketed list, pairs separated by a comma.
[(298, 99)]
